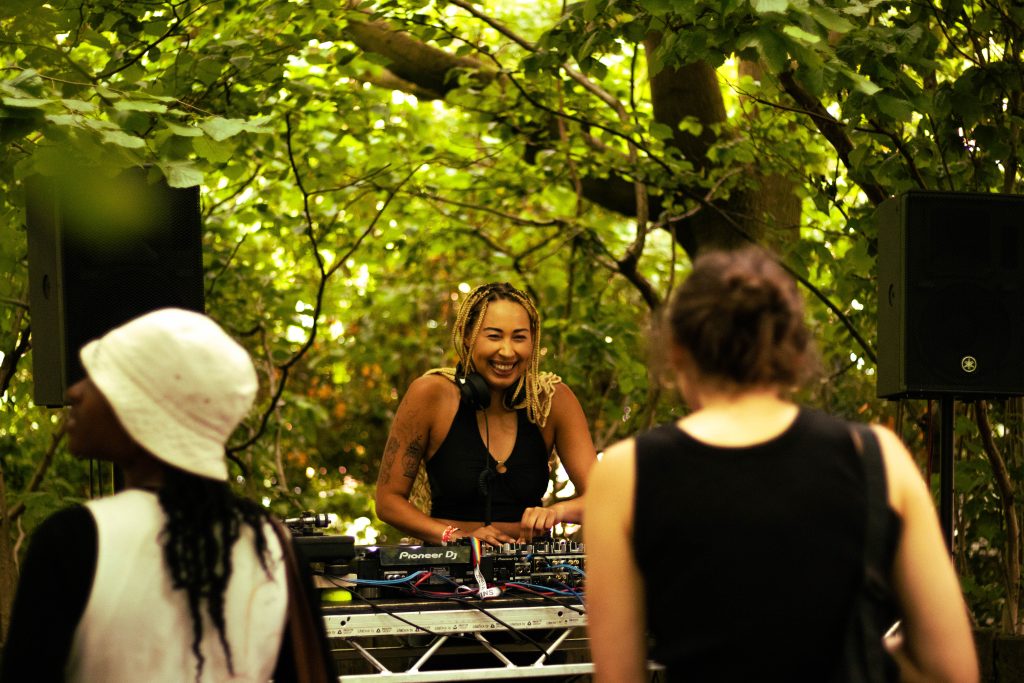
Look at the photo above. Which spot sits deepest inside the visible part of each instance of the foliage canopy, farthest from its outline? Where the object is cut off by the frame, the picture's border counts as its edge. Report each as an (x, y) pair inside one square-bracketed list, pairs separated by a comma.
[(363, 163)]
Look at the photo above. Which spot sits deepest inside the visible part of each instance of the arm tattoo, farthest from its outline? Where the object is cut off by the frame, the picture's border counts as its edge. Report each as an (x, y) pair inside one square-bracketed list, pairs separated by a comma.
[(388, 461), (411, 458)]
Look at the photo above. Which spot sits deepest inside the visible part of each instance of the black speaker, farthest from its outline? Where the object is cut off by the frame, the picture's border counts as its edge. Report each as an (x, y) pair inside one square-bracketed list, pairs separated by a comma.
[(104, 250), (950, 295)]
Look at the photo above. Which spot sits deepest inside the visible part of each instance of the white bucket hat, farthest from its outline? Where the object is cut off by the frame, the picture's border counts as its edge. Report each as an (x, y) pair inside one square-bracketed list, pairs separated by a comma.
[(178, 383)]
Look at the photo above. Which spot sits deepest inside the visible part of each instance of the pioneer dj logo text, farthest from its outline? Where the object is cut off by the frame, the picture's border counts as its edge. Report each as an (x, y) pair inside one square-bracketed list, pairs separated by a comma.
[(419, 556)]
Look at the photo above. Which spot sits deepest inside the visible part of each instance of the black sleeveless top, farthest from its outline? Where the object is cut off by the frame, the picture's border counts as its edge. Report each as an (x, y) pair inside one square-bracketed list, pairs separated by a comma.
[(751, 556), (454, 472)]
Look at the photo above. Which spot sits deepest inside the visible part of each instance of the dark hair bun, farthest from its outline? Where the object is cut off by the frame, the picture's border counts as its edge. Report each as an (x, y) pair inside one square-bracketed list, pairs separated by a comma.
[(740, 317)]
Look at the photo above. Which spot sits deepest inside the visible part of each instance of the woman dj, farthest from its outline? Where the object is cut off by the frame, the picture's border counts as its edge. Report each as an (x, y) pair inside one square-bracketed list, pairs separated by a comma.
[(485, 431)]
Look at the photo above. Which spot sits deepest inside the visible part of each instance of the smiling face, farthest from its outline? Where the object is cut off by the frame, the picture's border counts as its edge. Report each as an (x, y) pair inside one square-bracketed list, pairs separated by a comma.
[(504, 345)]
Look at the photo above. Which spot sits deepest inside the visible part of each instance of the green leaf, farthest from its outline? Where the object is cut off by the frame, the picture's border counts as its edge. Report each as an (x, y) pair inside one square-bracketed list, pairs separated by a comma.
[(212, 150), (830, 19), (182, 174), (767, 6), (862, 84), (658, 8), (122, 139), (691, 125), (813, 78), (221, 129), (26, 102), (79, 106), (897, 108), (64, 119), (800, 34), (183, 131), (100, 124), (773, 49), (258, 125), (25, 75), (661, 131), (137, 105)]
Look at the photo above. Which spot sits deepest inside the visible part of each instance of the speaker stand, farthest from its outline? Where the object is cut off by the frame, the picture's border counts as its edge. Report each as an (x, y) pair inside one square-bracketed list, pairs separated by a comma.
[(946, 469)]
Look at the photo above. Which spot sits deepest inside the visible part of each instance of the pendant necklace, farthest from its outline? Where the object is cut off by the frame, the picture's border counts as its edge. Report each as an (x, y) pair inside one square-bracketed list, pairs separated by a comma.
[(501, 464)]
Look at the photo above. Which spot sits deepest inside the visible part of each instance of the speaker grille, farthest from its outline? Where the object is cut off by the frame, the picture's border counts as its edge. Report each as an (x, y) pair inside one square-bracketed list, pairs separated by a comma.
[(108, 250), (951, 295)]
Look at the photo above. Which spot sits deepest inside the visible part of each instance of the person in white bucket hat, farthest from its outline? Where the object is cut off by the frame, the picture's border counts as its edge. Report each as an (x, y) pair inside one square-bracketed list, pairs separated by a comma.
[(174, 578)]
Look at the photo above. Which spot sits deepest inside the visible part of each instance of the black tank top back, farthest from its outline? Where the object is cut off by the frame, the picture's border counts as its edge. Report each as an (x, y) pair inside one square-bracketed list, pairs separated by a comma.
[(751, 556)]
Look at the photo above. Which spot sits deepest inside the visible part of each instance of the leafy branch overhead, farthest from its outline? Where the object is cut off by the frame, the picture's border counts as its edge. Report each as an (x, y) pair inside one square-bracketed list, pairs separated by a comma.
[(363, 163)]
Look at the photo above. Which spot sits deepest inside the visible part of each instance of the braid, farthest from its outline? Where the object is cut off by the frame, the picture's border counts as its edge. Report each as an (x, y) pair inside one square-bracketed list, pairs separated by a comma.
[(204, 519), (528, 392)]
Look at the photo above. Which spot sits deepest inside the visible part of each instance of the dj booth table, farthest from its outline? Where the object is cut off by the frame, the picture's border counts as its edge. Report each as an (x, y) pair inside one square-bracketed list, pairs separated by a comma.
[(432, 640)]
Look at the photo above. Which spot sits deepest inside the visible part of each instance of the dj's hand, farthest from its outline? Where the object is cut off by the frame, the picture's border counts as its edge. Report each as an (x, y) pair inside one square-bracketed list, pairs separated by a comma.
[(537, 522), (492, 535)]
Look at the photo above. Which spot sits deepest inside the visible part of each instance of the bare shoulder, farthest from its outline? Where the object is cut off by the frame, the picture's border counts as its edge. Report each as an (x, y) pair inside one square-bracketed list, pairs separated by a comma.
[(430, 404), (902, 474), (564, 404), (563, 395), (617, 464), (610, 491), (431, 389)]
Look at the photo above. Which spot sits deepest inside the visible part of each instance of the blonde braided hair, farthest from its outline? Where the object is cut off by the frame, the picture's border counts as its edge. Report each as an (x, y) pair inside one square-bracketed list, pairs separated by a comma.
[(528, 393)]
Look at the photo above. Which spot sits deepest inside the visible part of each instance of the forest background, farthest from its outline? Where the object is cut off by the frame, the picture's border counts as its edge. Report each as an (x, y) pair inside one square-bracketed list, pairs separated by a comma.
[(363, 164)]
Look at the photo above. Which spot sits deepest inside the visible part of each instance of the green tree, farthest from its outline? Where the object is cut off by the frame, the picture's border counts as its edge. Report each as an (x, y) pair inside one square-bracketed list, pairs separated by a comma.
[(362, 161)]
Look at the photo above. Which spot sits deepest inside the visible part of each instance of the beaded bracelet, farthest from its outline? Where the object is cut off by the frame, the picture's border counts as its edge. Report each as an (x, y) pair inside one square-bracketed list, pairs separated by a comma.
[(448, 535)]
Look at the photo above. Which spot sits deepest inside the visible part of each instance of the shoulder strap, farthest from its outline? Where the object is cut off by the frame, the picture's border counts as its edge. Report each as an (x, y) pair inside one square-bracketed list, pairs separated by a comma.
[(875, 587), (876, 495)]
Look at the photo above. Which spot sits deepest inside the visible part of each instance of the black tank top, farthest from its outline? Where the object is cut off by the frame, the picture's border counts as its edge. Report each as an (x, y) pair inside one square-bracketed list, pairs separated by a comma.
[(751, 556), (454, 472)]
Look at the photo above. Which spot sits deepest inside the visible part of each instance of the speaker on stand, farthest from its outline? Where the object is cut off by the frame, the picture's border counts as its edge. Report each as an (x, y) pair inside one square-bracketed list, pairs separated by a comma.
[(950, 306), (101, 252)]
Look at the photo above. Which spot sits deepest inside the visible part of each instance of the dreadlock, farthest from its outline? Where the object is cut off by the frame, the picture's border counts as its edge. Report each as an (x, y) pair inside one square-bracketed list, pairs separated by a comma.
[(528, 393), (204, 520)]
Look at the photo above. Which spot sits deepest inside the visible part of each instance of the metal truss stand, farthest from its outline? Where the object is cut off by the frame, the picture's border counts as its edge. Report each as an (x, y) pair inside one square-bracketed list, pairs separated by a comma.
[(506, 639)]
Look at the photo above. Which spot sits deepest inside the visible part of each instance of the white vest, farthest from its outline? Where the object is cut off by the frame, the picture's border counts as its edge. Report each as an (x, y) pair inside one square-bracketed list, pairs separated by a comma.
[(136, 628)]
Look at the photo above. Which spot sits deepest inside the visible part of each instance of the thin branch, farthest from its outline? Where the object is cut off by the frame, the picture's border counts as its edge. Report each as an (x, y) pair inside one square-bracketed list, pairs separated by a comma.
[(1007, 499), (828, 126), (14, 302), (227, 263), (902, 149), (21, 347), (519, 220), (496, 25), (235, 193), (40, 472)]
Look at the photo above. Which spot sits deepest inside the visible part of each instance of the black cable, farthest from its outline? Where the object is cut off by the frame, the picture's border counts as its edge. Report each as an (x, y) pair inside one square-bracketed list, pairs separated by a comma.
[(379, 608), (553, 599), (489, 474), (512, 629), (383, 610)]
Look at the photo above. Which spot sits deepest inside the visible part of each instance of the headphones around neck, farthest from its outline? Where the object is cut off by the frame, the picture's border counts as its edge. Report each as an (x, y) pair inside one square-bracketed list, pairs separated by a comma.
[(474, 390)]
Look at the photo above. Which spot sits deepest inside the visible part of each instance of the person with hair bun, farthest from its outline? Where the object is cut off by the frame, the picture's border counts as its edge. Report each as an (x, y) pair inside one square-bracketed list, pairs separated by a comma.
[(733, 539), (485, 432)]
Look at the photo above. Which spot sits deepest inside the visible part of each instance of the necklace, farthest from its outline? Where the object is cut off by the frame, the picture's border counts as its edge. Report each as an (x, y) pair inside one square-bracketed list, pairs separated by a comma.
[(501, 464)]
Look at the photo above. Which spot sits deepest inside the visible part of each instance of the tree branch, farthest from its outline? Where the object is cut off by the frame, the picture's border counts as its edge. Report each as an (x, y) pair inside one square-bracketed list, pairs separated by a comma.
[(1007, 499), (833, 130)]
